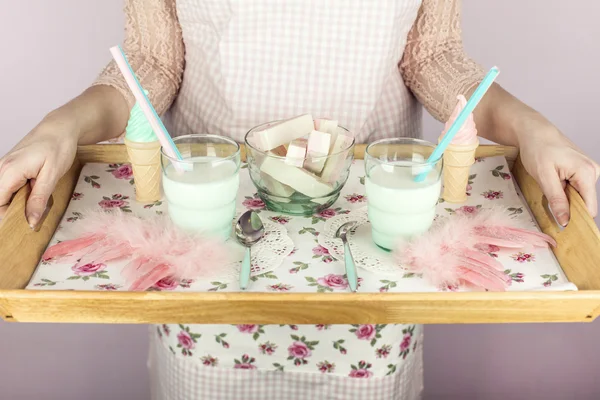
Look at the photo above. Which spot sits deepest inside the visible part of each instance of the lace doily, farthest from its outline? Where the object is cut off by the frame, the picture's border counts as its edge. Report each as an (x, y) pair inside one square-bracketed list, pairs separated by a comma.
[(366, 254), (267, 254)]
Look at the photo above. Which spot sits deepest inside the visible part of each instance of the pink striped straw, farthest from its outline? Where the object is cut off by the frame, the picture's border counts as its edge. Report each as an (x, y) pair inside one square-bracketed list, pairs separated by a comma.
[(136, 88)]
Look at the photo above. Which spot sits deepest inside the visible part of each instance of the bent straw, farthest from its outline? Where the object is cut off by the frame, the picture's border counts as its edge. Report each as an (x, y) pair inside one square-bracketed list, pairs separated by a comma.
[(459, 121), (138, 92)]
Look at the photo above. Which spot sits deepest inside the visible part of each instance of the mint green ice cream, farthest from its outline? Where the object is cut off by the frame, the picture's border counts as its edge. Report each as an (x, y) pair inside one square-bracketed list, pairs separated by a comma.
[(138, 128)]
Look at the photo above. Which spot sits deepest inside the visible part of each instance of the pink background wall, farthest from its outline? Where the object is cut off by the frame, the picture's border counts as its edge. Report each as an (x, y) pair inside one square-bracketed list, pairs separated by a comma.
[(547, 51)]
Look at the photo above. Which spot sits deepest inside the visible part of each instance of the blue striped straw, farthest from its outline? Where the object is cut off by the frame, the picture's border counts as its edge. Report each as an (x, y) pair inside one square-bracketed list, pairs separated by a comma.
[(459, 121), (136, 88)]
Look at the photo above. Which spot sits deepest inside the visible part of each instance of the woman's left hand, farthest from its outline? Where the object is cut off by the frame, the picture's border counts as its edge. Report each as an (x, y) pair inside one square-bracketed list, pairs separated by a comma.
[(553, 161)]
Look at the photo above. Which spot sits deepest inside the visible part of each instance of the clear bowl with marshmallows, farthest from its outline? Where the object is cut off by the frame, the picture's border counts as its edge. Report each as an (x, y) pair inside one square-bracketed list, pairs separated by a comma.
[(299, 165)]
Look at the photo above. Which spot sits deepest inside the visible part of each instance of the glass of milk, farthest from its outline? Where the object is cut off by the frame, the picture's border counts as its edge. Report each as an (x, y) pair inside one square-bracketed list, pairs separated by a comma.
[(399, 207), (201, 194)]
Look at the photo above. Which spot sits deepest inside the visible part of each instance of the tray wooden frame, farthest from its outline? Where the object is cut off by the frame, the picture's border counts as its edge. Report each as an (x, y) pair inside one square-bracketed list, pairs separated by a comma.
[(21, 248)]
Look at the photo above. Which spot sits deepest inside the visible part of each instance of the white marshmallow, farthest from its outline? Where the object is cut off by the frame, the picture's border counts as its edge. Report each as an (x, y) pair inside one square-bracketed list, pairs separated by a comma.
[(331, 127), (296, 152), (326, 125), (335, 164), (283, 132), (277, 188), (296, 178), (317, 151)]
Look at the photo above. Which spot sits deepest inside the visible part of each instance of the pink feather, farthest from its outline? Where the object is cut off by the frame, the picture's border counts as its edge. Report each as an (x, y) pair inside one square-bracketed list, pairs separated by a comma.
[(483, 259), (130, 271), (476, 279), (150, 278), (497, 224), (498, 242), (75, 256), (69, 247), (156, 247), (105, 252), (453, 251), (145, 269)]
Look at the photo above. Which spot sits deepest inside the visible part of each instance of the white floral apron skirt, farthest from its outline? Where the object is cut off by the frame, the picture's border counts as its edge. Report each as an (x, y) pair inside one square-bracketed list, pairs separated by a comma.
[(249, 62), (315, 362)]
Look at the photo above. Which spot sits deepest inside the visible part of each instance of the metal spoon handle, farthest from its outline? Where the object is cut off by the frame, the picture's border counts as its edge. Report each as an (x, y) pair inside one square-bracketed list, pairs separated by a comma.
[(245, 271), (351, 273)]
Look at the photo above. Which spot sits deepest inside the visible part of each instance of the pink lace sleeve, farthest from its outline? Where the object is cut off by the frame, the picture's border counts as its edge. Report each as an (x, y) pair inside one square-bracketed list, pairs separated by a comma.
[(154, 48), (435, 66)]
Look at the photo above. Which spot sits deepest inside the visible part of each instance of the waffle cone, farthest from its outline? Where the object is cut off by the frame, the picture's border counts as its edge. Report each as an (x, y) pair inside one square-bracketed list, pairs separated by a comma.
[(457, 165), (145, 162)]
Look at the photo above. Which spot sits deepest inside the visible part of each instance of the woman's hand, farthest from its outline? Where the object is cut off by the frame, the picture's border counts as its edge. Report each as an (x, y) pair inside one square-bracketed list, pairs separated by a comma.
[(100, 113), (42, 158), (547, 155), (553, 160)]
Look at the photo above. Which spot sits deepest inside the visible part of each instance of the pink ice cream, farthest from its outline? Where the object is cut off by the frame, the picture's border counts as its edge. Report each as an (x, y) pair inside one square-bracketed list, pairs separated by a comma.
[(467, 134)]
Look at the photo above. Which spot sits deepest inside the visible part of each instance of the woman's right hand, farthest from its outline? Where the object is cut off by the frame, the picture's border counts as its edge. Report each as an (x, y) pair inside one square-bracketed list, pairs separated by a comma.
[(41, 158)]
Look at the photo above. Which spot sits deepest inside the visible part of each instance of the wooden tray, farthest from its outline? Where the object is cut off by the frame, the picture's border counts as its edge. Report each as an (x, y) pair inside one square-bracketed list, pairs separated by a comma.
[(21, 248)]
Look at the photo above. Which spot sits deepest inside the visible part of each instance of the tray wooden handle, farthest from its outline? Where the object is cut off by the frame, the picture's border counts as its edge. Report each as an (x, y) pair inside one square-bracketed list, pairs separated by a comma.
[(578, 252), (22, 247)]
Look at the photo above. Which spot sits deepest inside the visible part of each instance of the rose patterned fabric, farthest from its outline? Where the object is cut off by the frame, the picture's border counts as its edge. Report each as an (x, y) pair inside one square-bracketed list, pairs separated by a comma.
[(355, 351), (183, 378), (310, 267)]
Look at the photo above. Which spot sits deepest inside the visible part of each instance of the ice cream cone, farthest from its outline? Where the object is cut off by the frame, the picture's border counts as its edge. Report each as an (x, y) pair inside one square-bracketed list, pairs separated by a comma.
[(457, 165), (145, 162)]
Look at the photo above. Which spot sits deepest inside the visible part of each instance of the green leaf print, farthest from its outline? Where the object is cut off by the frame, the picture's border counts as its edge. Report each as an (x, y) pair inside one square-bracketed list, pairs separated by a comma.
[(45, 282), (310, 230), (320, 288), (391, 369), (266, 275), (515, 210), (549, 278), (338, 346), (217, 286), (92, 180), (299, 266), (220, 338), (387, 285)]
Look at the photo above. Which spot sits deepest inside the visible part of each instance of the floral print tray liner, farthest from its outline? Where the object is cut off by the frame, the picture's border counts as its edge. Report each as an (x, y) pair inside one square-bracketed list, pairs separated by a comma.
[(309, 267)]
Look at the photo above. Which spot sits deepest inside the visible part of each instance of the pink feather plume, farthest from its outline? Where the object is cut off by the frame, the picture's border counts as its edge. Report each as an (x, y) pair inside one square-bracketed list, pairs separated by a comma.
[(453, 252), (156, 247)]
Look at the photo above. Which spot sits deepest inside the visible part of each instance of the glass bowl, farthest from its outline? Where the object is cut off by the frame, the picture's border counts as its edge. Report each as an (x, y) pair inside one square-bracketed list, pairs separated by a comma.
[(288, 189)]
